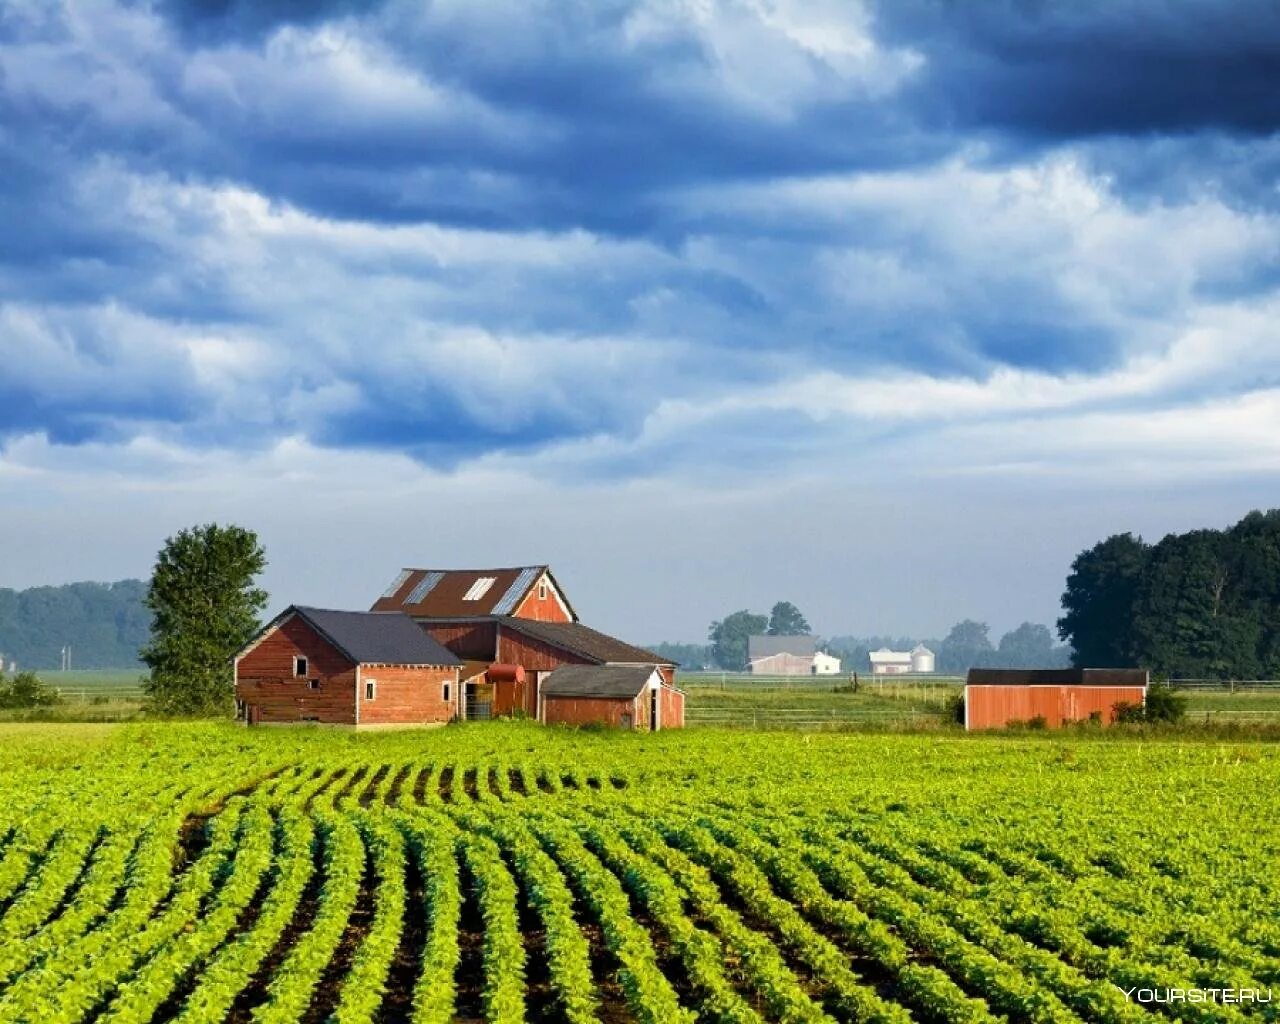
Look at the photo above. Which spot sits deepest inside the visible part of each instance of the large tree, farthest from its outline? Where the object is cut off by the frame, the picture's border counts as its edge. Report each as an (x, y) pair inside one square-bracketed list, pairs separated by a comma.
[(729, 635), (1028, 646), (785, 620), (205, 606), (967, 645), (1097, 605), (1187, 619)]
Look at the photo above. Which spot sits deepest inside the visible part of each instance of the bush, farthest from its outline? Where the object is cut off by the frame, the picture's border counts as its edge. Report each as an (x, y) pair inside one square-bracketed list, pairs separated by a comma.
[(27, 690), (1165, 704), (954, 708), (1037, 722)]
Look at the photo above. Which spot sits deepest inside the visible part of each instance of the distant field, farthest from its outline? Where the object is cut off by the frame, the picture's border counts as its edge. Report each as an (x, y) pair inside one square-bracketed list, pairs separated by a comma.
[(1247, 705), (89, 695), (800, 701), (96, 678)]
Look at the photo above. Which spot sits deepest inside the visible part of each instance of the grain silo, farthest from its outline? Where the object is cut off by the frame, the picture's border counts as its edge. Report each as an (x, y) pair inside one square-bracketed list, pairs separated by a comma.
[(921, 659)]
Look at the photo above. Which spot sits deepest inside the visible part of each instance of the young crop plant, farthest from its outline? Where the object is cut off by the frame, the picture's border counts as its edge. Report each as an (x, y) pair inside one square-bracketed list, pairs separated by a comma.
[(431, 841), (504, 957)]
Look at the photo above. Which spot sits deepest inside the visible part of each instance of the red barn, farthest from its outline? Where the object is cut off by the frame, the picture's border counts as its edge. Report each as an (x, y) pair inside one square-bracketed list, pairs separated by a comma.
[(994, 697), (513, 619), (623, 696), (360, 669)]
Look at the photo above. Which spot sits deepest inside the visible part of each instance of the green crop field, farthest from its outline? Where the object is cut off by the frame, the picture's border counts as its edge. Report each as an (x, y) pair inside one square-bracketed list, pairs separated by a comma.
[(509, 872)]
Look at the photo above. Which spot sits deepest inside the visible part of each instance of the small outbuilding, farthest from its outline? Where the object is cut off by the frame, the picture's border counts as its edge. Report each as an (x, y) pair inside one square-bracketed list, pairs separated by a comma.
[(995, 697), (360, 669), (623, 696)]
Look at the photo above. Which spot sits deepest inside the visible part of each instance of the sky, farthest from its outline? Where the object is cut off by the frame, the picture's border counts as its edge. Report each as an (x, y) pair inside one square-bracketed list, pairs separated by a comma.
[(886, 309)]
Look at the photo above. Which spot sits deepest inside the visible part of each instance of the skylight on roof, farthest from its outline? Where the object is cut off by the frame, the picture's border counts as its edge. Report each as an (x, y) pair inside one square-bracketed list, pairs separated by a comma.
[(479, 588)]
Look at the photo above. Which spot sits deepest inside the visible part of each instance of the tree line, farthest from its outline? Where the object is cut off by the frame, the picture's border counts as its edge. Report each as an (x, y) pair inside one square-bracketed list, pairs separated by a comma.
[(104, 625), (968, 644), (1200, 604)]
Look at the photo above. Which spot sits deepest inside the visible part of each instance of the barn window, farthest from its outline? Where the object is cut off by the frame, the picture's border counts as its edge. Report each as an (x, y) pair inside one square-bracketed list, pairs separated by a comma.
[(370, 688), (448, 690), (479, 588), (313, 684), (299, 666), (542, 591)]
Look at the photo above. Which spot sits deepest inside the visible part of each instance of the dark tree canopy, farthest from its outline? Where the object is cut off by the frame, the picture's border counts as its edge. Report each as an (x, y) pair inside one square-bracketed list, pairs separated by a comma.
[(206, 607), (1097, 618), (729, 638), (1200, 604), (785, 620)]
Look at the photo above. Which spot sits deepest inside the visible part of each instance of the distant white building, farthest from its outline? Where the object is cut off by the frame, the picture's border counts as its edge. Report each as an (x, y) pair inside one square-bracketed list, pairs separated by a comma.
[(825, 665), (917, 661), (788, 656)]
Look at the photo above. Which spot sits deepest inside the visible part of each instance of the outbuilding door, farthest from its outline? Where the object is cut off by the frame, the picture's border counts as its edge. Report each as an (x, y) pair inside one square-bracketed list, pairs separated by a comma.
[(479, 702)]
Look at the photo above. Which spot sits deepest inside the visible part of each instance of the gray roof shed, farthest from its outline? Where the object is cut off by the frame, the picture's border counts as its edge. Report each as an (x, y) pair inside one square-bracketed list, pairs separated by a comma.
[(615, 681)]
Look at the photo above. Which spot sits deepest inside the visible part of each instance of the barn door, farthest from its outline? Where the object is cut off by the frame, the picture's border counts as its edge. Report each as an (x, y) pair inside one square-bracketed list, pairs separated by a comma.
[(653, 710)]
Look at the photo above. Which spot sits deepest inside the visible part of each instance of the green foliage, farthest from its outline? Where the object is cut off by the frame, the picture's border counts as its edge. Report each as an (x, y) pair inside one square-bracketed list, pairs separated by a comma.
[(729, 638), (966, 646), (1203, 604), (1097, 605), (690, 657), (1165, 704), (206, 608), (105, 624), (1031, 644), (785, 620), (201, 872), (27, 690)]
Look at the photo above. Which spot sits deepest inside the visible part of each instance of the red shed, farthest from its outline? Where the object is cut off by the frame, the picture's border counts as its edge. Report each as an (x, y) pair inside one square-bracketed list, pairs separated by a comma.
[(624, 696), (994, 697), (361, 669)]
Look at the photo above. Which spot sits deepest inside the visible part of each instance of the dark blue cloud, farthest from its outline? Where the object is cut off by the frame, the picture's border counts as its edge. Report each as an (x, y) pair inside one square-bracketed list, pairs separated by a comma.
[(1065, 70)]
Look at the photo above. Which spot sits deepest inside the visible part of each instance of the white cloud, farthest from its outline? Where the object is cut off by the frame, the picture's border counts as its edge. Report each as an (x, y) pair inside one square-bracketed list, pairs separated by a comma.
[(770, 57)]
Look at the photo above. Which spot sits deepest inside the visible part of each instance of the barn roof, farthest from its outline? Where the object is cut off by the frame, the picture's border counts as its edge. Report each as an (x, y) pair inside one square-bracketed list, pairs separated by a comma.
[(802, 645), (374, 638), (884, 656), (615, 681), (1058, 677), (453, 593), (583, 641)]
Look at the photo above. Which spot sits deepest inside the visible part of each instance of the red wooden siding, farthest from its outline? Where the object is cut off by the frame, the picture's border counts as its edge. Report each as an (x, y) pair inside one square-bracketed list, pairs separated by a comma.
[(266, 684), (534, 655), (581, 710), (544, 609), (993, 707), (471, 641), (671, 710), (407, 695)]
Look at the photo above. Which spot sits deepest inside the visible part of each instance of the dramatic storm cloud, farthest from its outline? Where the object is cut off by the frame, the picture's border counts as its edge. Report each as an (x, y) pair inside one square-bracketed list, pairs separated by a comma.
[(884, 309)]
